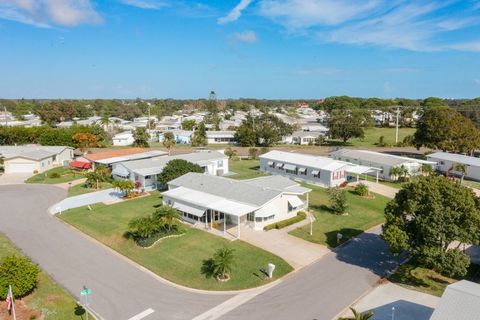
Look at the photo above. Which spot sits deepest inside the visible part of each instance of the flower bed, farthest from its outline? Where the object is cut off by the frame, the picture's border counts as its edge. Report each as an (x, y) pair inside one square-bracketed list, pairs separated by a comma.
[(160, 235), (282, 224)]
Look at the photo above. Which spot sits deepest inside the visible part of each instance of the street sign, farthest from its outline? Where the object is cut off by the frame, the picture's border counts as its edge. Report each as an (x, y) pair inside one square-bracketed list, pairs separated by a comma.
[(86, 291)]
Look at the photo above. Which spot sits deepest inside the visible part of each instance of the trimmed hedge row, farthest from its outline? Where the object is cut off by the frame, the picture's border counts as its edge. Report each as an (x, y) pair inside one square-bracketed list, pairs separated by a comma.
[(284, 223)]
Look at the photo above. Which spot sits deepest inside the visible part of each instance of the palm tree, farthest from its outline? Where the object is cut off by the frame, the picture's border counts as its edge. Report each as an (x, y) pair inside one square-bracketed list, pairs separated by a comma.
[(167, 216), (223, 261), (395, 173), (168, 140), (358, 316), (460, 167), (106, 122), (427, 169)]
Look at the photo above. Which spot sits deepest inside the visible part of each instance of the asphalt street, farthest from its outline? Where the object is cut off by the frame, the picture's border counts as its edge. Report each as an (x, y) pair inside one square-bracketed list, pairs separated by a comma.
[(121, 291)]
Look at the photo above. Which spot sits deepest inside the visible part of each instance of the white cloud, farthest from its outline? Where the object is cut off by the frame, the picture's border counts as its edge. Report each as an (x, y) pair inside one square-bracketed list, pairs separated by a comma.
[(145, 4), (247, 36), (236, 12), (44, 13), (473, 46), (300, 14)]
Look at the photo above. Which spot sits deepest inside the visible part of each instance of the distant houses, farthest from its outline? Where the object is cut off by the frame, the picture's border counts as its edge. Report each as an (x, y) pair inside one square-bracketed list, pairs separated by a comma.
[(33, 158), (110, 157), (221, 201), (445, 163), (123, 139)]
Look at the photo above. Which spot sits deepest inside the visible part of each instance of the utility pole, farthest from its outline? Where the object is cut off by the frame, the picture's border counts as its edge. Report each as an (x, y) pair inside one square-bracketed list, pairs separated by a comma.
[(5, 114), (396, 130)]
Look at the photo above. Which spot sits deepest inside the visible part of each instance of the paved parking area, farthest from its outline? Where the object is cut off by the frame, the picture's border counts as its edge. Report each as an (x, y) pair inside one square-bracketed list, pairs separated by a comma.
[(105, 196), (390, 299), (14, 178), (297, 252)]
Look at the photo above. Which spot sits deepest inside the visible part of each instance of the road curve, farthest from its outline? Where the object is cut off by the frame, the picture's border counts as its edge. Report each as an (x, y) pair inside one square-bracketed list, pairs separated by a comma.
[(119, 289)]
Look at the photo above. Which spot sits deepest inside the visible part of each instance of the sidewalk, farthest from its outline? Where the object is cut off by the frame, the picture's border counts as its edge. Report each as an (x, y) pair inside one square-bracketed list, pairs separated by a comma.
[(107, 196)]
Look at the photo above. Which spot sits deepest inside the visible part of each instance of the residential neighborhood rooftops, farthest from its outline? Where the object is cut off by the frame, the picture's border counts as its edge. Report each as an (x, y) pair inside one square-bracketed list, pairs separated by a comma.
[(460, 158), (235, 190), (115, 156), (460, 301), (33, 152), (113, 153), (278, 183), (304, 159), (375, 157), (155, 165)]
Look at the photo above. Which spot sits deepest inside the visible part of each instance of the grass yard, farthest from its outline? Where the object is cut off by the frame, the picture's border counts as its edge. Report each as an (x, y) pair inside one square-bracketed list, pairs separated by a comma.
[(413, 277), (363, 214), (176, 259), (373, 134), (48, 297), (245, 169), (82, 189), (66, 175)]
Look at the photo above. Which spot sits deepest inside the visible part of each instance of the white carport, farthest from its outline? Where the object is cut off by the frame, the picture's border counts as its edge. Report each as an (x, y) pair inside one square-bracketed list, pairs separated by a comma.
[(359, 170)]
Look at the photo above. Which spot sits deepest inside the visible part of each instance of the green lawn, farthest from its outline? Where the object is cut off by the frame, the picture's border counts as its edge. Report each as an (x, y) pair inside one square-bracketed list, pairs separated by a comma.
[(82, 189), (48, 297), (245, 169), (373, 134), (413, 277), (176, 259), (362, 214), (66, 175)]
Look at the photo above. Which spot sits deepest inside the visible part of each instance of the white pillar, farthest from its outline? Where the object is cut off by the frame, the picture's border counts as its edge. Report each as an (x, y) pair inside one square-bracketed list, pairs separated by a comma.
[(377, 176), (308, 203), (358, 178), (238, 227), (224, 223), (206, 219)]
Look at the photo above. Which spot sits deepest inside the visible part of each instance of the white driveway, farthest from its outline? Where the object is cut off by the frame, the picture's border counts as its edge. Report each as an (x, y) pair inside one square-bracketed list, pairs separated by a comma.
[(106, 196), (14, 178), (403, 303)]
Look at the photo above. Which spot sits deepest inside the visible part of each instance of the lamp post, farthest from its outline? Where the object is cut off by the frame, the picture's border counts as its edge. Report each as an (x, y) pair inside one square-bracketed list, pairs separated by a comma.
[(393, 313)]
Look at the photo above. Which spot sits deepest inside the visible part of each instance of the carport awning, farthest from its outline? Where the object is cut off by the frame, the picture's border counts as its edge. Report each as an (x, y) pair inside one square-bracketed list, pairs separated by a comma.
[(189, 209), (358, 169), (294, 201), (289, 167), (302, 170)]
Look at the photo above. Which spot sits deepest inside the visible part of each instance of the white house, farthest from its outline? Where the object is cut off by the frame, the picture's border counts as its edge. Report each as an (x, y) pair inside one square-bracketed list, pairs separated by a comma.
[(382, 161), (33, 158), (305, 137), (460, 301), (146, 171), (123, 139), (313, 169), (110, 157), (219, 137), (255, 203), (445, 161)]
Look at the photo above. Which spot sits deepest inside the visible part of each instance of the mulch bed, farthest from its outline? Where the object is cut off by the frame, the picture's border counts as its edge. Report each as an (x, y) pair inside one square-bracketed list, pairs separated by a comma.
[(21, 311)]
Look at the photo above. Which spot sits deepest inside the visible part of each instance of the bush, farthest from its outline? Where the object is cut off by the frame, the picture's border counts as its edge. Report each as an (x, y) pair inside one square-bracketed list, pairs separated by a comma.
[(284, 223), (253, 153), (338, 200), (361, 190), (149, 241), (20, 273), (54, 175)]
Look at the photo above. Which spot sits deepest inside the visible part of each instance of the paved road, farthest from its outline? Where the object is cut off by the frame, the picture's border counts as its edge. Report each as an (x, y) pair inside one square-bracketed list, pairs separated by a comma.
[(119, 290), (323, 289)]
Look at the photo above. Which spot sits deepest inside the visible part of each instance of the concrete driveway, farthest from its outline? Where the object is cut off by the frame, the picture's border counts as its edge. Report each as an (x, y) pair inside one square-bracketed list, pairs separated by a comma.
[(105, 196), (297, 252), (120, 290), (381, 189), (14, 178)]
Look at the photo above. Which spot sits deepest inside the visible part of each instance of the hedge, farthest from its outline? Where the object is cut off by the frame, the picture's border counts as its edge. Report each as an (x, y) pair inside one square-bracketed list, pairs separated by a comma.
[(284, 223)]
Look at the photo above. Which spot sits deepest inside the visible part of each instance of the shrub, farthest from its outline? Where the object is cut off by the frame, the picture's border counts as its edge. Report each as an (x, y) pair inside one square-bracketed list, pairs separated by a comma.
[(20, 273), (253, 153), (338, 200), (54, 175), (282, 224), (361, 190), (381, 142)]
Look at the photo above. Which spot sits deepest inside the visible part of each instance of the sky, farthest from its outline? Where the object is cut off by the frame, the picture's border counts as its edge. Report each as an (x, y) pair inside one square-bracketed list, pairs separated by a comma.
[(273, 49)]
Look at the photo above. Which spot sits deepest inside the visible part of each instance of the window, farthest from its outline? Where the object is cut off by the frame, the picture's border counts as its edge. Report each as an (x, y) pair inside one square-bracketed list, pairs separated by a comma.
[(258, 219), (442, 163), (148, 177), (250, 216), (220, 163)]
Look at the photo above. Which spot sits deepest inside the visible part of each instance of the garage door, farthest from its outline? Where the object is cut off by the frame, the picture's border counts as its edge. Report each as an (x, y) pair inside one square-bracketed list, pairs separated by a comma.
[(20, 168)]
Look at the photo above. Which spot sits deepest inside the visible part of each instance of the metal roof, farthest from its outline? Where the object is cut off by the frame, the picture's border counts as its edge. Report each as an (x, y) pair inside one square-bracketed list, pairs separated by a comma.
[(458, 158), (373, 157), (33, 152), (132, 157), (300, 159), (153, 166), (230, 189), (280, 183), (460, 301)]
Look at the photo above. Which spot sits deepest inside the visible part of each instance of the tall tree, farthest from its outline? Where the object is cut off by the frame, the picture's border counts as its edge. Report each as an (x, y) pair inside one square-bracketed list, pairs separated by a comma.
[(345, 125), (188, 124), (168, 140), (85, 140), (427, 216), (199, 137), (177, 168), (446, 129), (141, 137)]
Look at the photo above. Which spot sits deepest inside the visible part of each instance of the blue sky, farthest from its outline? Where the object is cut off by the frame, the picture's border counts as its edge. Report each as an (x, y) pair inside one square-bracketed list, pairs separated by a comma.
[(239, 48)]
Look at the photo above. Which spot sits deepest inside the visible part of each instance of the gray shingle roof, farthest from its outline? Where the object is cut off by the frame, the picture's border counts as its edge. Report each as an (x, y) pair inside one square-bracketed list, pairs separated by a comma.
[(33, 152), (226, 188), (460, 301)]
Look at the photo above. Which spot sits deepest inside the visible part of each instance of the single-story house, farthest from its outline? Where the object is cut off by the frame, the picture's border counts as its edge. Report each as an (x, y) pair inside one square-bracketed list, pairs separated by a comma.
[(123, 139), (460, 301), (216, 137), (384, 162), (180, 136), (34, 158), (445, 161), (255, 203), (305, 137), (145, 171), (111, 157), (318, 170)]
